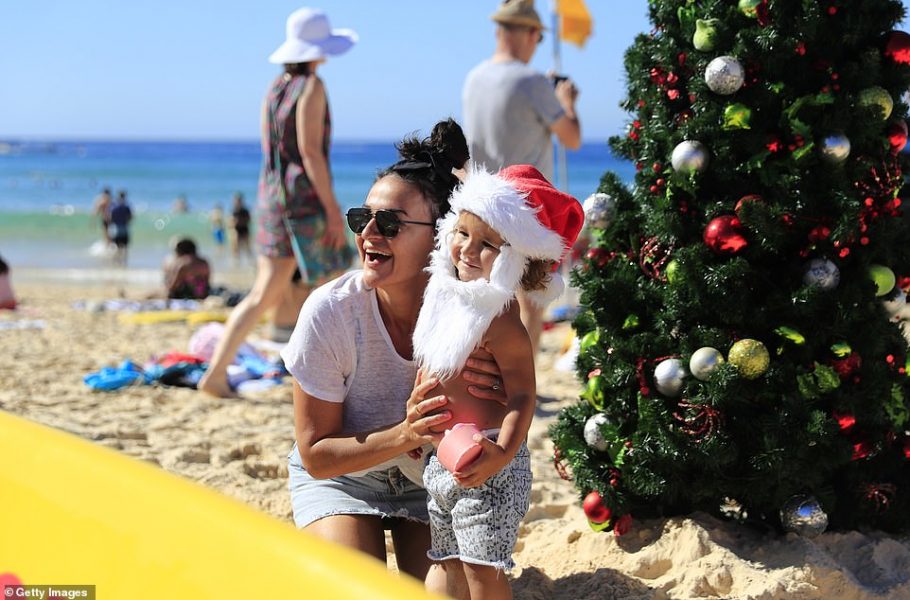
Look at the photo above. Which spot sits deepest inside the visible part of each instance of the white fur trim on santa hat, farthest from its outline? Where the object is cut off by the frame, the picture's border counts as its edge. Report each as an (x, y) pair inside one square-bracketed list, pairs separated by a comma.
[(550, 293), (505, 209)]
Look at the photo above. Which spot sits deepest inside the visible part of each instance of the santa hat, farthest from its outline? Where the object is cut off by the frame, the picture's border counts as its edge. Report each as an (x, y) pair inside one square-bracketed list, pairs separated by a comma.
[(535, 220)]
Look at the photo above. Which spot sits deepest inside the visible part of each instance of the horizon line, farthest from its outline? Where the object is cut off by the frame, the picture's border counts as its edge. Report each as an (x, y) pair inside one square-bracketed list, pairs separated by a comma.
[(201, 140)]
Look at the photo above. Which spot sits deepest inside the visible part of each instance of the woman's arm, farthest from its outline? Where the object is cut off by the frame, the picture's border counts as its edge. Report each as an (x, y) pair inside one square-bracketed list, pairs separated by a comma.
[(310, 117), (328, 452)]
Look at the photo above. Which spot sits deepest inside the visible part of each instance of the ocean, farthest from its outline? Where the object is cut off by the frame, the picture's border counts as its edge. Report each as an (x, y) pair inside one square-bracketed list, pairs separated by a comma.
[(47, 190)]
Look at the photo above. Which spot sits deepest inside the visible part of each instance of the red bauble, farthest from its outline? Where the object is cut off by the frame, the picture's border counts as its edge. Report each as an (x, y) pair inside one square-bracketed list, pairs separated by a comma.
[(724, 235), (742, 201), (595, 509), (897, 136), (907, 448), (623, 525), (846, 366), (861, 450), (897, 47), (845, 421)]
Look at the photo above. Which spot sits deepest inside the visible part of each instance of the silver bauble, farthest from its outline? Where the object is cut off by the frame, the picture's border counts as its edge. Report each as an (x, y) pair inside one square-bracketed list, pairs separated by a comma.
[(594, 437), (803, 515), (894, 303), (690, 156), (822, 273), (669, 376), (704, 361), (835, 148), (599, 210), (724, 75)]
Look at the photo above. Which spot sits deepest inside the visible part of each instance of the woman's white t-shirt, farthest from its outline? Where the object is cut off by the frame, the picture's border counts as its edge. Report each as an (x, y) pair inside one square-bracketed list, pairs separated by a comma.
[(340, 351)]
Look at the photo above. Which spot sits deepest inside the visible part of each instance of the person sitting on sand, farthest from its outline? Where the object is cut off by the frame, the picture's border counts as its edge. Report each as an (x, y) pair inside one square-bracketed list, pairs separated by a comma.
[(504, 233), (186, 274), (7, 297)]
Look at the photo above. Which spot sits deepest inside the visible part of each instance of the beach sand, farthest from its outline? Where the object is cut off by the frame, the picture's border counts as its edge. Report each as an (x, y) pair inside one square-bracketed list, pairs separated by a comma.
[(239, 448)]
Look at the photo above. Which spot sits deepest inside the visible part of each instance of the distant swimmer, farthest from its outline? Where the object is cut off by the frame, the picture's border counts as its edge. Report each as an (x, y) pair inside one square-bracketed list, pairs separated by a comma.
[(101, 210), (121, 215)]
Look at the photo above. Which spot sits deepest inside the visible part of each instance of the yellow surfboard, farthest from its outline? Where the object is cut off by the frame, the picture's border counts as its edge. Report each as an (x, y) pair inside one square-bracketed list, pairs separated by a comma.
[(75, 513)]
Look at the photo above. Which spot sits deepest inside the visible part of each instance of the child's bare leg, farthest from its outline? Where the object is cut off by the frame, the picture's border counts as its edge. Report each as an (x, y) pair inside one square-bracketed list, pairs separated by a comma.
[(447, 578), (487, 583)]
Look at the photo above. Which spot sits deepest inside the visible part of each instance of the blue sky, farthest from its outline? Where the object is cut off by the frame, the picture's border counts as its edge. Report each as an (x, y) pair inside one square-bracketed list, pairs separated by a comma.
[(197, 69)]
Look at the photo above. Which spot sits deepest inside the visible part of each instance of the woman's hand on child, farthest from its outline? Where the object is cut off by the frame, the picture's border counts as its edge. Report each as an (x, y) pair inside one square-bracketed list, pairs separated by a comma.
[(492, 460), (481, 370), (420, 416)]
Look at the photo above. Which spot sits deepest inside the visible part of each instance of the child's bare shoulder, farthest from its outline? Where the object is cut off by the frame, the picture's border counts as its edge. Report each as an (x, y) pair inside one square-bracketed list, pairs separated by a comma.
[(507, 325)]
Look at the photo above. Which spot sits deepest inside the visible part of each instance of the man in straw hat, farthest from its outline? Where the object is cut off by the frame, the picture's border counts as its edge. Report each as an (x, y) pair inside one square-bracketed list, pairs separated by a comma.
[(510, 111)]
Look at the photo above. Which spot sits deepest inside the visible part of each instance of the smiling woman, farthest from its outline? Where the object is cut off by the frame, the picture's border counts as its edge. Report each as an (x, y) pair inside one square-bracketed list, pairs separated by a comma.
[(359, 405)]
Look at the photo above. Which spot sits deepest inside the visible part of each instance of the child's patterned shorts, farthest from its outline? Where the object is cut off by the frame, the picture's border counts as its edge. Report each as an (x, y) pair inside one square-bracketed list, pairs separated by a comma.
[(478, 525)]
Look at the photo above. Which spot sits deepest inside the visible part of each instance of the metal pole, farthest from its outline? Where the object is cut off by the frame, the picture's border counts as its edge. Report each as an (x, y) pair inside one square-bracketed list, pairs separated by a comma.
[(561, 167)]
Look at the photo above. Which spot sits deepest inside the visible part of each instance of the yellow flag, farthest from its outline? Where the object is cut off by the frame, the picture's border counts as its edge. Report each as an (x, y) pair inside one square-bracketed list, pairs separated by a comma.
[(576, 21)]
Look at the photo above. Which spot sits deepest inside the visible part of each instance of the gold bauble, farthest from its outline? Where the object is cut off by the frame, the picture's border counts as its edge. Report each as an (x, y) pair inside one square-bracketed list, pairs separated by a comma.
[(750, 357)]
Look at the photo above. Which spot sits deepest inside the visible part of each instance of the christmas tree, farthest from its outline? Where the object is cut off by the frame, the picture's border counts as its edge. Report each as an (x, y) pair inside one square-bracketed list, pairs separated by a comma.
[(740, 346)]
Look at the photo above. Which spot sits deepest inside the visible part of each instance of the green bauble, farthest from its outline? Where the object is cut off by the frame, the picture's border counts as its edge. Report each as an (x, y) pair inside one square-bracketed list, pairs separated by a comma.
[(590, 339), (750, 357), (884, 279), (672, 272), (594, 392), (705, 34), (749, 7), (737, 116), (877, 96)]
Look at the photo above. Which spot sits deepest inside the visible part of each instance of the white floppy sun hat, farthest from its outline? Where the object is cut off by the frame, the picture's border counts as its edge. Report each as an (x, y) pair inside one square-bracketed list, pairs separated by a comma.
[(309, 38)]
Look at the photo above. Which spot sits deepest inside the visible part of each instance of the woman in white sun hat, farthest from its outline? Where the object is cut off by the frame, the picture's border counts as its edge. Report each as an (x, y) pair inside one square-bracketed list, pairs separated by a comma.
[(297, 212)]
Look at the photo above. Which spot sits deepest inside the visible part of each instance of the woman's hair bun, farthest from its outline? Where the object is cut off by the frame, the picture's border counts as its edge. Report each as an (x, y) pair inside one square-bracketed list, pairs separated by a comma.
[(448, 141), (428, 163)]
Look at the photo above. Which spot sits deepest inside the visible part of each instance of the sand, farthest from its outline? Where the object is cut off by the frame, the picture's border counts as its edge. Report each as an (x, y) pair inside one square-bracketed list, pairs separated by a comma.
[(239, 448)]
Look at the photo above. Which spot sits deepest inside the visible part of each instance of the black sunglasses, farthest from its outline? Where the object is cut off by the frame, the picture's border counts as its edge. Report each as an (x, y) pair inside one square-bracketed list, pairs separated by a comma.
[(387, 221)]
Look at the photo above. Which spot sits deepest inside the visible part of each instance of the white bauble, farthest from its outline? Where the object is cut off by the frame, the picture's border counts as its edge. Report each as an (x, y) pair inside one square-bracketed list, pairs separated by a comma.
[(704, 361), (669, 377), (835, 148), (594, 437), (894, 303), (724, 75), (803, 515), (690, 156), (599, 210), (822, 273)]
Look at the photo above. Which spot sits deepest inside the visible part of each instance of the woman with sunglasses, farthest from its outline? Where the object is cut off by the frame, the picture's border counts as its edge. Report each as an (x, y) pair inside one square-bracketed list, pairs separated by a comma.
[(359, 405)]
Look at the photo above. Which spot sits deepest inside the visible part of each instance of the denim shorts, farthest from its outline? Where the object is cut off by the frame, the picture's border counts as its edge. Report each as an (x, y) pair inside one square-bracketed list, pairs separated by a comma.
[(385, 494)]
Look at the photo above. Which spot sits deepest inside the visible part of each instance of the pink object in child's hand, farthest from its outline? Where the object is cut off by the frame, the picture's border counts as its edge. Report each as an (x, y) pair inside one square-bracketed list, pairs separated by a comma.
[(458, 449)]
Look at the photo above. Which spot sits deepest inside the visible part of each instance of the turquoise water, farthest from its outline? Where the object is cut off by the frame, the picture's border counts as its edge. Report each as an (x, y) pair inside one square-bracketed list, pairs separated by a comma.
[(47, 190)]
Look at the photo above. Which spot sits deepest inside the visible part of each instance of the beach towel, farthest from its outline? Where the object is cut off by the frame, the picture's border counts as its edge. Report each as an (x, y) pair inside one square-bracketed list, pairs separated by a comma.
[(114, 378)]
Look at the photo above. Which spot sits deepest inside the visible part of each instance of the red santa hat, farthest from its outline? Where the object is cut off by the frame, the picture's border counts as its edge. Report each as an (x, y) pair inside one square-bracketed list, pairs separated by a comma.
[(535, 220)]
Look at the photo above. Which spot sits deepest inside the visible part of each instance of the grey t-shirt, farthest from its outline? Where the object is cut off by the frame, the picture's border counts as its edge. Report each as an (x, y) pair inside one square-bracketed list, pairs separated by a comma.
[(508, 109), (340, 351)]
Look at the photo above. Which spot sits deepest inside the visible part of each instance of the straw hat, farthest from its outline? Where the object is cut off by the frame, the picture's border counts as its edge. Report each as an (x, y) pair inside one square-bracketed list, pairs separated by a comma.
[(309, 38), (518, 12)]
